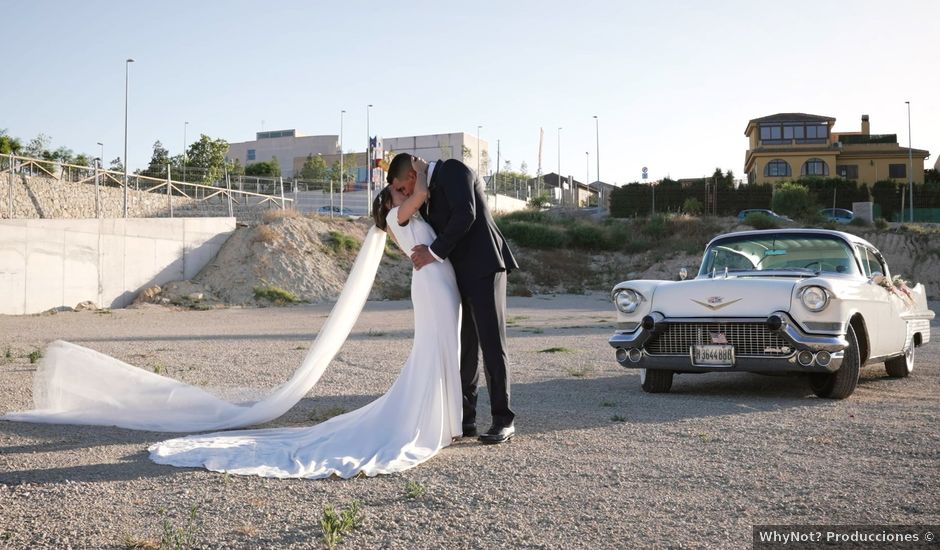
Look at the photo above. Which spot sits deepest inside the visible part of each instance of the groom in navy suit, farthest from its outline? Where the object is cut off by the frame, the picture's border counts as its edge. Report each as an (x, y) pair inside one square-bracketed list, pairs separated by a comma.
[(467, 235)]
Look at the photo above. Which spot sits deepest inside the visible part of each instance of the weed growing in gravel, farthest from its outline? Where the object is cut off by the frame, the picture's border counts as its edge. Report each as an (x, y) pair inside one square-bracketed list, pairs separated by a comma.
[(534, 330), (275, 294), (34, 356), (317, 415), (180, 538), (335, 523), (556, 350), (159, 369), (579, 371), (103, 311), (375, 333), (608, 404), (515, 319), (247, 530), (414, 489), (264, 234), (134, 543), (618, 418), (8, 354)]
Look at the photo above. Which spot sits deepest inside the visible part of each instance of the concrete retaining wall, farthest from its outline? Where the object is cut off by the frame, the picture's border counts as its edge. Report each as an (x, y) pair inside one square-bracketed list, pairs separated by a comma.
[(51, 263)]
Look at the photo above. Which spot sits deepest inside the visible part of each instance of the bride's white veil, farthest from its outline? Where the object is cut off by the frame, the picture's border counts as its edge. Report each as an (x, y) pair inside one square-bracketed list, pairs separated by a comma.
[(77, 385)]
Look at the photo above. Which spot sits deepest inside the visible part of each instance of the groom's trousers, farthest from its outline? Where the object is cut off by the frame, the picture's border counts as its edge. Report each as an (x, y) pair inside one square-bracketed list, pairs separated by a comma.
[(483, 327)]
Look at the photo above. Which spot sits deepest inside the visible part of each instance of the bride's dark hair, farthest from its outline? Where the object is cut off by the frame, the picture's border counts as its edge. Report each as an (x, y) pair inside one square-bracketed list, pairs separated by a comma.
[(381, 206)]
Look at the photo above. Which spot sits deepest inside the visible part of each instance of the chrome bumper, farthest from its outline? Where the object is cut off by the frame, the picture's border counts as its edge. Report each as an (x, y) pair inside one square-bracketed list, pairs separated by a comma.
[(631, 352)]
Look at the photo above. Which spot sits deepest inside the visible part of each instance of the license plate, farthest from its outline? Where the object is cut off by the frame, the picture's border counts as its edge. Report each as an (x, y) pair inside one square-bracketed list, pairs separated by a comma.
[(715, 356)]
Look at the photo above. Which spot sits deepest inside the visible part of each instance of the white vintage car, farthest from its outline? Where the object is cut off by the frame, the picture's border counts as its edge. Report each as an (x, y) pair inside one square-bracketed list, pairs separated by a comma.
[(805, 301)]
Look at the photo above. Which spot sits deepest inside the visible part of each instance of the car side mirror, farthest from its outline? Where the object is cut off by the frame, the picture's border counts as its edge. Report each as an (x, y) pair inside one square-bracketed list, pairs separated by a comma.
[(683, 273)]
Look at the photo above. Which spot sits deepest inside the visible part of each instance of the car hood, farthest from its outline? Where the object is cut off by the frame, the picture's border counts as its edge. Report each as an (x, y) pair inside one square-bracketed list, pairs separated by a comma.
[(732, 297)]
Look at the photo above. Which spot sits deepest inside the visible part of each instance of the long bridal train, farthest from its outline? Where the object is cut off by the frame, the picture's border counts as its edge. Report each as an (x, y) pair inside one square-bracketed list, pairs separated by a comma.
[(77, 385)]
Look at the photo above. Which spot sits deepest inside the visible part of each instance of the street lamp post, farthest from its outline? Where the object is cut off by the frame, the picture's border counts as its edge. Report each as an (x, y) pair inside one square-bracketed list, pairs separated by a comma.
[(597, 155), (342, 175), (479, 150), (561, 187), (127, 64), (910, 162), (102, 151), (587, 168), (185, 124), (368, 160)]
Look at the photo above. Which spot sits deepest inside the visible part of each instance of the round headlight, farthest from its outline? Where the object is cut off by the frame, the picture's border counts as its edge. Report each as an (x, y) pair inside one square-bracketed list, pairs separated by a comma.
[(627, 300), (815, 298)]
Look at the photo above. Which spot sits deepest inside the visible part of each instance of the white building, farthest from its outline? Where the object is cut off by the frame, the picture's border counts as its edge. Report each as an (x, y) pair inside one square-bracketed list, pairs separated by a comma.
[(285, 145), (292, 148)]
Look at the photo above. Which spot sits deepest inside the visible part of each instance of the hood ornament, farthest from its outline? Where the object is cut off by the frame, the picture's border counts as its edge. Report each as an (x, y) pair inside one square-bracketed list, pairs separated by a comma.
[(715, 303)]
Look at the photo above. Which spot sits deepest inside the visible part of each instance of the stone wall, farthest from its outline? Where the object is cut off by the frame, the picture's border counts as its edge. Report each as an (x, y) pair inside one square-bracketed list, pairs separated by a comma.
[(44, 197)]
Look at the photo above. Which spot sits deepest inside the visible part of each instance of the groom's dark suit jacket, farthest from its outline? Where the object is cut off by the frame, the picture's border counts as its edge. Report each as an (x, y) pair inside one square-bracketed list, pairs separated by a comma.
[(466, 232)]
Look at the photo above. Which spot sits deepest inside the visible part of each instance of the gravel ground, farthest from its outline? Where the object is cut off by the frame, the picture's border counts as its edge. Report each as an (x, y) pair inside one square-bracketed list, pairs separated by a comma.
[(596, 462)]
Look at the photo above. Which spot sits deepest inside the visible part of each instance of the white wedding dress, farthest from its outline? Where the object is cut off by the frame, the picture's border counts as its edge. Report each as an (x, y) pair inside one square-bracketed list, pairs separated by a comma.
[(410, 423)]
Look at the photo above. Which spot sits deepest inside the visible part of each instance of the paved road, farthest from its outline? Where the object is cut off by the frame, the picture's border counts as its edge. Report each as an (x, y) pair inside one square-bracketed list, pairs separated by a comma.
[(597, 462)]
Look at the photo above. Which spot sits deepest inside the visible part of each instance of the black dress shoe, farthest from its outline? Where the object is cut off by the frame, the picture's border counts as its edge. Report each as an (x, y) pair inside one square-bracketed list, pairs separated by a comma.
[(498, 434), (470, 430)]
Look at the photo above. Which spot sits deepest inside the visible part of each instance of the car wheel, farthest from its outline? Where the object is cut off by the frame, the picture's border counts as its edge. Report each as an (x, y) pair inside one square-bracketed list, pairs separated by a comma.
[(656, 381), (840, 384), (901, 367)]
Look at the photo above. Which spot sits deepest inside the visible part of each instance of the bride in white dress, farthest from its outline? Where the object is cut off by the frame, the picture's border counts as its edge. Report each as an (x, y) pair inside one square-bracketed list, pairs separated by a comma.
[(419, 415)]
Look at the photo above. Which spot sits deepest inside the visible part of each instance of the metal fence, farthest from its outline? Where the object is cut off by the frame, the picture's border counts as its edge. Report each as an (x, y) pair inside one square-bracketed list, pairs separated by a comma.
[(217, 199)]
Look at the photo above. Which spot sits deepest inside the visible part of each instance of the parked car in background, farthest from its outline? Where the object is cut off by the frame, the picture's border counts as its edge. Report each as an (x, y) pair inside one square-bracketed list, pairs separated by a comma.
[(765, 211), (816, 303), (337, 211), (838, 215)]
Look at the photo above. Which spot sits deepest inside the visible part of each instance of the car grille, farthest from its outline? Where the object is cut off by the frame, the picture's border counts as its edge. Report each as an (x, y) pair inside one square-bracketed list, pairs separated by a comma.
[(748, 339)]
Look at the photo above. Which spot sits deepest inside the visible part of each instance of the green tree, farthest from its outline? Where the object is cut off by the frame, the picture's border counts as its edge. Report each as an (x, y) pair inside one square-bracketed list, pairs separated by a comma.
[(158, 161), (9, 144), (794, 200), (315, 169), (116, 165), (346, 176), (266, 169), (37, 146), (207, 156)]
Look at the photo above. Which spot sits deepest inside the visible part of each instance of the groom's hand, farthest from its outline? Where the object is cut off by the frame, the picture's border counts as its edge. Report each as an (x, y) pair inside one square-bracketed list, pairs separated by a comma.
[(421, 256)]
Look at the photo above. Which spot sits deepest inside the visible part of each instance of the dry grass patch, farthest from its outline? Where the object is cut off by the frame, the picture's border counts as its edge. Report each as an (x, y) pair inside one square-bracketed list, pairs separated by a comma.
[(281, 213), (264, 234)]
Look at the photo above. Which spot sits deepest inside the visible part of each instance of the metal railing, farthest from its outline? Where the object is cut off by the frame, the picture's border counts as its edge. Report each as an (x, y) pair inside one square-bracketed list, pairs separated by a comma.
[(198, 197)]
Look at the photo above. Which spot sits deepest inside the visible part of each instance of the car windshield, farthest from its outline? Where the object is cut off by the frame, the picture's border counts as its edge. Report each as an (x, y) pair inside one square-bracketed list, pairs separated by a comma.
[(800, 253)]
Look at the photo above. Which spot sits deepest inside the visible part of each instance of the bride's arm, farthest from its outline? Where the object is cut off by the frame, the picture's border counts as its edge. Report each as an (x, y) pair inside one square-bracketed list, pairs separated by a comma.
[(420, 194)]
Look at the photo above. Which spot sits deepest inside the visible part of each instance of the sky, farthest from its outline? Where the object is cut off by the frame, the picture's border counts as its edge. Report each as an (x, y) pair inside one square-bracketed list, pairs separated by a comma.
[(673, 83)]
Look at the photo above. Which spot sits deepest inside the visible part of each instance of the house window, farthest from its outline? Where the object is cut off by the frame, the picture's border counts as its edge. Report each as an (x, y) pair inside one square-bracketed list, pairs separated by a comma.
[(847, 171), (815, 167), (777, 168), (251, 154), (771, 133), (897, 170)]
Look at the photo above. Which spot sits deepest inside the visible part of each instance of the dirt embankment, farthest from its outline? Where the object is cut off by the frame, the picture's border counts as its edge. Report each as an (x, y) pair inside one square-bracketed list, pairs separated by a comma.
[(308, 259)]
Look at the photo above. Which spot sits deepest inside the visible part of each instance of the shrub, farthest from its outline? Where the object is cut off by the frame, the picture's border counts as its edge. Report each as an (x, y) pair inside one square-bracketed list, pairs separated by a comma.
[(657, 227), (759, 220), (859, 222), (589, 237), (539, 201), (692, 206), (881, 224), (794, 200), (535, 235), (527, 215), (34, 356), (341, 242)]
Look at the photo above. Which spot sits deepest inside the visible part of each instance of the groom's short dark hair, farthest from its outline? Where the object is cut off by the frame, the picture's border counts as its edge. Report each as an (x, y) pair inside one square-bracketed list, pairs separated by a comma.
[(399, 166)]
